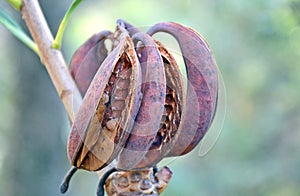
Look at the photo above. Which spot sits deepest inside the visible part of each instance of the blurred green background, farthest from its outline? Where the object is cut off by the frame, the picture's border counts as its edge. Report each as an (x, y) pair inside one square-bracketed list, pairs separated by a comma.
[(256, 45)]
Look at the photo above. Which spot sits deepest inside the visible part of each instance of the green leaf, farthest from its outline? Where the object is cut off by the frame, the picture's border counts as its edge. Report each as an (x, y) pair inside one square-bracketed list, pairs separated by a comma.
[(17, 4), (59, 35), (16, 30)]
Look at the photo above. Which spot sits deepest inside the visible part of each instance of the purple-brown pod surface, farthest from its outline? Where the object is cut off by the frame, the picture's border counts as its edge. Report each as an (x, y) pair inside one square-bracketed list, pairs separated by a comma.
[(202, 88), (161, 144), (137, 109), (105, 117), (87, 59), (148, 118), (170, 120)]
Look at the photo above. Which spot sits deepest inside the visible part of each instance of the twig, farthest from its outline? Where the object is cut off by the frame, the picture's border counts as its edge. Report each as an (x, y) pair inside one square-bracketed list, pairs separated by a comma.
[(52, 58)]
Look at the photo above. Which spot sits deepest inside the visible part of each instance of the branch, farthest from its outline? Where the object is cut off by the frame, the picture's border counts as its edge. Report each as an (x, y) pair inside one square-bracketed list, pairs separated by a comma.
[(52, 58)]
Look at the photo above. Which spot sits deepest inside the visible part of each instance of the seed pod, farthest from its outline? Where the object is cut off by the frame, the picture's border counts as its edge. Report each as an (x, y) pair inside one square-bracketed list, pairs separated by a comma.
[(174, 102), (108, 109), (152, 105), (87, 59), (202, 86), (136, 109)]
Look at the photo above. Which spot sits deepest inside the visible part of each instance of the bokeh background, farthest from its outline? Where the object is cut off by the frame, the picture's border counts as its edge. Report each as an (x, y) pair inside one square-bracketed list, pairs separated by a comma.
[(256, 46)]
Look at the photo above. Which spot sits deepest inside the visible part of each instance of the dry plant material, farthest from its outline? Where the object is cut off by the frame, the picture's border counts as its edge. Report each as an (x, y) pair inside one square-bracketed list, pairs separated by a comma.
[(138, 182), (136, 108)]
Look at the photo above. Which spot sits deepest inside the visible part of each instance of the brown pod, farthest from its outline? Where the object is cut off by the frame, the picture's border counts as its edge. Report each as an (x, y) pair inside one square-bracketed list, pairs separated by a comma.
[(202, 86), (152, 105), (108, 109), (174, 102), (86, 60)]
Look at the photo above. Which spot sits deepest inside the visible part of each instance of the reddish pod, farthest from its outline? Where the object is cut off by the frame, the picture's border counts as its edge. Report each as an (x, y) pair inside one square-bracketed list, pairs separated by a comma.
[(87, 60), (202, 89), (152, 104), (104, 116), (136, 110), (109, 107), (173, 104), (170, 120)]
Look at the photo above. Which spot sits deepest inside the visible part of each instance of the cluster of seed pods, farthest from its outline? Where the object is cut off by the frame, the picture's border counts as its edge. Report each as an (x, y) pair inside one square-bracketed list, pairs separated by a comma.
[(138, 108)]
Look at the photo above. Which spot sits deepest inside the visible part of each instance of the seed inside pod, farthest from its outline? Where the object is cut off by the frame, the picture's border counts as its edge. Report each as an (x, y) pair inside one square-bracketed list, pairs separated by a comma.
[(111, 124)]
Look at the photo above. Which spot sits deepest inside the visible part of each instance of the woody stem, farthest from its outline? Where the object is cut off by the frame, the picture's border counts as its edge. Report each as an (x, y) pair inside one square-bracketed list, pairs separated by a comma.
[(52, 58)]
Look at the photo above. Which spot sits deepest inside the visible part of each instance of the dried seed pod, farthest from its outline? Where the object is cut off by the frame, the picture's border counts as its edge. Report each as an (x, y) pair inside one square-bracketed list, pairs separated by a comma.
[(138, 114), (142, 182), (202, 86), (87, 59), (101, 126), (174, 102), (152, 105)]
